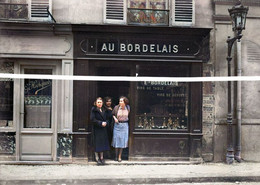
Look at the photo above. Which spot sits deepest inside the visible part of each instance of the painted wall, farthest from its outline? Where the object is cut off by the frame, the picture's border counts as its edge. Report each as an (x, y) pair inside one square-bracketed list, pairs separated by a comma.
[(78, 11), (250, 90), (203, 13)]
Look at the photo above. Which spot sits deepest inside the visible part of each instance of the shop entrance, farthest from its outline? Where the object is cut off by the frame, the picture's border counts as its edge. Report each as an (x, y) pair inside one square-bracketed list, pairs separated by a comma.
[(113, 89), (37, 115)]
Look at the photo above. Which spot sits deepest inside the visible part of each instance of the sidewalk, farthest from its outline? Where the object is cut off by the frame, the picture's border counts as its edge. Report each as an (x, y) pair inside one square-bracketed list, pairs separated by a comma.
[(127, 173)]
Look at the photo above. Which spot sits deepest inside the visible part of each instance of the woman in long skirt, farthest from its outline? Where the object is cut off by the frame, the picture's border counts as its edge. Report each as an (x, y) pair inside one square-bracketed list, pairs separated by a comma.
[(121, 131)]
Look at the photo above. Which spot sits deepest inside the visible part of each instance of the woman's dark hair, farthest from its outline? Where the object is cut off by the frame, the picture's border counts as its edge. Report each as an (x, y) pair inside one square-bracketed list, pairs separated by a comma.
[(98, 98), (125, 99)]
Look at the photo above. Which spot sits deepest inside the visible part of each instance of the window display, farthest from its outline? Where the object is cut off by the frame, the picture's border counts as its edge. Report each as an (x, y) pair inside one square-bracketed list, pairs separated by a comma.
[(162, 105)]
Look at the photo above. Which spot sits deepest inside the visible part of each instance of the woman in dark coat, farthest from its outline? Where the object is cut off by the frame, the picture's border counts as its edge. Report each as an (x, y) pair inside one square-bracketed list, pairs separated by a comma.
[(99, 116)]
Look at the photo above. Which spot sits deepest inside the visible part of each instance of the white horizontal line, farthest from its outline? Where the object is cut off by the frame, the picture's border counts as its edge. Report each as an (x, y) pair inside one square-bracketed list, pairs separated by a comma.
[(130, 78)]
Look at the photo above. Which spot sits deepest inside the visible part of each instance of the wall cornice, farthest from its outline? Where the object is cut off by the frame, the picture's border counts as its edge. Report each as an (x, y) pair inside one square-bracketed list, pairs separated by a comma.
[(29, 28), (233, 2)]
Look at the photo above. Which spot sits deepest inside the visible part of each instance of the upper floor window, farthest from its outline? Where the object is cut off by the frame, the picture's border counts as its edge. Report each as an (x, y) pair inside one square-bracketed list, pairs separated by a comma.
[(13, 9), (35, 10), (148, 12)]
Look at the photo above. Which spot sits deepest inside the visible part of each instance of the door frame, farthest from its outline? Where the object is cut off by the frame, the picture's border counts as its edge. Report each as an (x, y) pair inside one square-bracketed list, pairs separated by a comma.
[(18, 103)]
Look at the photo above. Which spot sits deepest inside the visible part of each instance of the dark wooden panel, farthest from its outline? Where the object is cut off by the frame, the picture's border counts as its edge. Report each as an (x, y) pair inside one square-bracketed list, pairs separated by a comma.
[(161, 146), (80, 145), (196, 100), (80, 98)]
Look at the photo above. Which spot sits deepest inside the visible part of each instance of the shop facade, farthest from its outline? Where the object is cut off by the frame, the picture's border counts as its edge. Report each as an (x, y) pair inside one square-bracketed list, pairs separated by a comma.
[(34, 111), (166, 117), (48, 119)]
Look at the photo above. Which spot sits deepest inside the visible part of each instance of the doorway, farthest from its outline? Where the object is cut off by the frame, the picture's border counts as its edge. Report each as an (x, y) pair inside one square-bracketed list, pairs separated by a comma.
[(37, 115), (113, 89)]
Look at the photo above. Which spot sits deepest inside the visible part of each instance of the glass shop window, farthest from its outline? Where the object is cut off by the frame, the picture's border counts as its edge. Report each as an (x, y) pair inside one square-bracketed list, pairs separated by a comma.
[(37, 100), (6, 96), (162, 105), (148, 12), (6, 102)]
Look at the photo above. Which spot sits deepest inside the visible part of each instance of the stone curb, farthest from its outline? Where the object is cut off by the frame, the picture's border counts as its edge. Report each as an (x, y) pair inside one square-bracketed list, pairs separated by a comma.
[(108, 162), (119, 181)]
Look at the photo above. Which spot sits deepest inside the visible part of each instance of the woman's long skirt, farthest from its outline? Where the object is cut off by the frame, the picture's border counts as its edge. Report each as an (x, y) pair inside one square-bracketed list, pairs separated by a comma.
[(120, 135)]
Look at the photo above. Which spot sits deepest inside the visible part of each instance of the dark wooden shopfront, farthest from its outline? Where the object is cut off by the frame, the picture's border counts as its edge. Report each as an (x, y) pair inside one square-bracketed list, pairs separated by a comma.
[(166, 117)]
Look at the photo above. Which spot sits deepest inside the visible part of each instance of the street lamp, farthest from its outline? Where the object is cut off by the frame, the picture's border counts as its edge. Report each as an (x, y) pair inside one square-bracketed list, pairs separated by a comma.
[(238, 15)]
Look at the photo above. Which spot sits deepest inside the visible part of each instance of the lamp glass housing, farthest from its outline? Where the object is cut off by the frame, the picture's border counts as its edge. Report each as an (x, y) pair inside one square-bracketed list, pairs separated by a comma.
[(238, 15)]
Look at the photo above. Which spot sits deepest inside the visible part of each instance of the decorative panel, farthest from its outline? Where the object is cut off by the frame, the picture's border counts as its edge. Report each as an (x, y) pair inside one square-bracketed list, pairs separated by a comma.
[(7, 143), (64, 146)]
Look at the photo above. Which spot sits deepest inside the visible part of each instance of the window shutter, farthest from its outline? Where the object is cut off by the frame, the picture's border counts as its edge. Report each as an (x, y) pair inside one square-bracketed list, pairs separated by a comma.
[(38, 9), (183, 12), (115, 11)]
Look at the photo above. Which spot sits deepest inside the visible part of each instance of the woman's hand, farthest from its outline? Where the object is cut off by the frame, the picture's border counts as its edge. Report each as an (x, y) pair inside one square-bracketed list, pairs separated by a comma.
[(116, 120), (104, 124)]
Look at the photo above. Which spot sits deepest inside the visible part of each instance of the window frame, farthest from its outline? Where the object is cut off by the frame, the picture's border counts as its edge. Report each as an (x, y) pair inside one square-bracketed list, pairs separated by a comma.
[(148, 8)]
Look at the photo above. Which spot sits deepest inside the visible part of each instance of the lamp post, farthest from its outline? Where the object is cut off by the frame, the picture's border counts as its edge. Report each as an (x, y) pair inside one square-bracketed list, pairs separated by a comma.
[(238, 15)]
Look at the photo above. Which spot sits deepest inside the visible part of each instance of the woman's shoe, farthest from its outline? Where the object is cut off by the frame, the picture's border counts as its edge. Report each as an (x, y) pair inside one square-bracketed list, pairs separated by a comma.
[(103, 162), (116, 159), (99, 162), (119, 160)]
